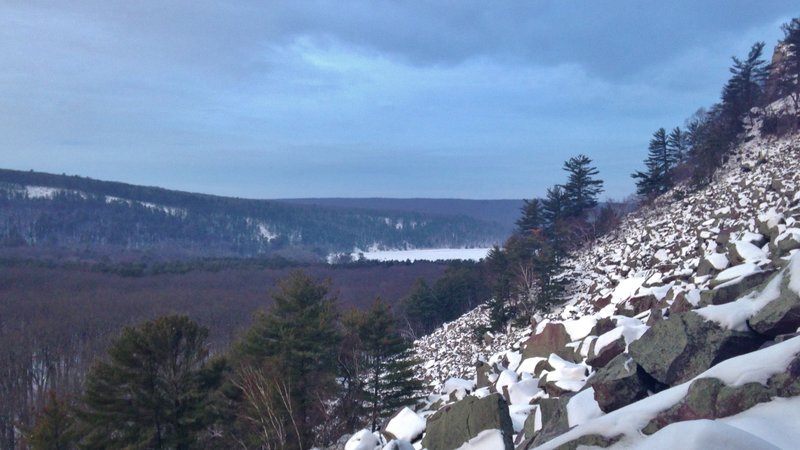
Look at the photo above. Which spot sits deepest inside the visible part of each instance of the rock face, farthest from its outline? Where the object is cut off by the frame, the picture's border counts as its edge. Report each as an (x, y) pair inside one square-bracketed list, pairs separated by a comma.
[(782, 315), (620, 383), (453, 425), (683, 346)]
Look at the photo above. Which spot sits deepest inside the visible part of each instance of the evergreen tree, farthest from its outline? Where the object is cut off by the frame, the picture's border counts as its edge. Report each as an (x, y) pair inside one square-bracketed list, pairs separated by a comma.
[(499, 267), (660, 162), (298, 340), (390, 381), (531, 218), (788, 74), (678, 143), (421, 307), (745, 87), (55, 427), (556, 213), (152, 392), (581, 188)]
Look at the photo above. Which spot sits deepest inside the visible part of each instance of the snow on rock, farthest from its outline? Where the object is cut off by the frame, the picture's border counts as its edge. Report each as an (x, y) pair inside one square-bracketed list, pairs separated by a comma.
[(742, 270), (406, 425), (363, 440), (703, 435), (628, 421), (734, 315), (582, 408), (485, 440)]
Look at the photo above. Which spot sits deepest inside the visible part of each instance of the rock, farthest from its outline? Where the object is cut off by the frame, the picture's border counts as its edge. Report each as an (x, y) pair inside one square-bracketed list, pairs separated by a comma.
[(555, 420), (453, 425), (733, 400), (782, 315), (728, 292), (553, 339), (637, 305), (787, 383), (405, 425), (482, 371), (710, 398), (680, 304), (619, 383), (551, 388), (603, 326), (699, 403), (787, 242), (606, 354), (683, 346), (590, 441)]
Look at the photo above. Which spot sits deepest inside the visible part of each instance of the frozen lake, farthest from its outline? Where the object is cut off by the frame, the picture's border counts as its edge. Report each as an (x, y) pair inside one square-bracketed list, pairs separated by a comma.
[(430, 254)]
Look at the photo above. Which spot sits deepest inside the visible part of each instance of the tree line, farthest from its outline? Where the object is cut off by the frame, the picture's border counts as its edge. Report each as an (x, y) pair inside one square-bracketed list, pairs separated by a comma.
[(526, 272), (302, 375), (694, 152)]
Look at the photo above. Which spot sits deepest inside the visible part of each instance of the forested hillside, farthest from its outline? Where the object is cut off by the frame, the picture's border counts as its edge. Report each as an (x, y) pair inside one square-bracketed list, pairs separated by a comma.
[(39, 210)]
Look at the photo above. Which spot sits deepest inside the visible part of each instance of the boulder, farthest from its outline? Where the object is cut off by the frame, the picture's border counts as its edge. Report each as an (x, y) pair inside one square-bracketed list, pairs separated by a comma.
[(619, 383), (683, 346), (553, 339), (730, 291), (680, 304), (606, 354), (603, 326), (482, 371), (637, 305), (405, 425), (788, 241), (555, 420), (453, 425), (782, 315), (710, 398)]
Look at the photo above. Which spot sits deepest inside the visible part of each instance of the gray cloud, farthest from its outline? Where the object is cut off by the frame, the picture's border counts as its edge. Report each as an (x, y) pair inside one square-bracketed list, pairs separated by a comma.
[(448, 98)]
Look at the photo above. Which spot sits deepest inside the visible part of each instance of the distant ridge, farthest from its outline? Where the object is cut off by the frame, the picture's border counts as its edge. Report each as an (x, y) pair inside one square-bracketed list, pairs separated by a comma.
[(41, 210), (503, 211)]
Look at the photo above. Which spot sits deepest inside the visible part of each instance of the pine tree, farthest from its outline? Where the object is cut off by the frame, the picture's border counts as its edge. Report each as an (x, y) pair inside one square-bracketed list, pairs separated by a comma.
[(789, 71), (531, 218), (678, 143), (298, 339), (390, 381), (581, 188), (152, 392), (55, 427), (745, 87), (556, 213), (421, 306), (660, 162)]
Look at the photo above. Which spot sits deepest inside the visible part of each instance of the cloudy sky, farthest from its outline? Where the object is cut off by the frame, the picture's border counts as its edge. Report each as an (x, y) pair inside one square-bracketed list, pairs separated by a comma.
[(271, 99)]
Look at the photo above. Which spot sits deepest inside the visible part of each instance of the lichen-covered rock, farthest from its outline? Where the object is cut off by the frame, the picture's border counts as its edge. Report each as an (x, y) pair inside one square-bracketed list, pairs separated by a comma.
[(555, 420), (782, 315), (455, 424), (683, 346), (618, 384), (730, 291)]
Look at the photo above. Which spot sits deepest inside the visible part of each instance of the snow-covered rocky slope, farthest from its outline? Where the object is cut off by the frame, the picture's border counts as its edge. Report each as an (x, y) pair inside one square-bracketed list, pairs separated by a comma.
[(679, 323)]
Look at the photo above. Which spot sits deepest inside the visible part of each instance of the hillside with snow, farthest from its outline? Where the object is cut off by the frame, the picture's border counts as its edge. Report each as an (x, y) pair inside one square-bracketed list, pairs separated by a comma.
[(679, 330), (58, 213)]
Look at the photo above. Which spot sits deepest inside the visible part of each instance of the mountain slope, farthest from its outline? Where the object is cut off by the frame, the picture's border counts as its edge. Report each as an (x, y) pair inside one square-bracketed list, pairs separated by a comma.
[(58, 211), (695, 298)]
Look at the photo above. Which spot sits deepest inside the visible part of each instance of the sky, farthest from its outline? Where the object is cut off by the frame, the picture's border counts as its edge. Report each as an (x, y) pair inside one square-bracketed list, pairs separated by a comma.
[(373, 98)]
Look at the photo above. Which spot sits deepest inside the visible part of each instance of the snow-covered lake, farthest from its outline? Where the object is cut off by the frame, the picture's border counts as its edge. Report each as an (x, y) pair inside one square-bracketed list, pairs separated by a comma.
[(429, 254)]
